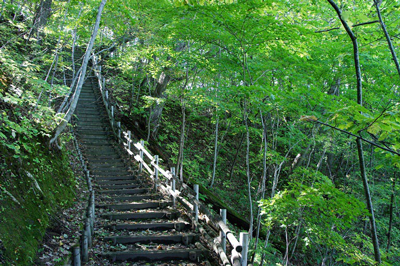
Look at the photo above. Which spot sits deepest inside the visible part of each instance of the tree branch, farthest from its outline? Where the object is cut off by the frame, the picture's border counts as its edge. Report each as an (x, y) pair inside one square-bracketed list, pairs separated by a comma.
[(357, 136), (365, 23), (319, 31)]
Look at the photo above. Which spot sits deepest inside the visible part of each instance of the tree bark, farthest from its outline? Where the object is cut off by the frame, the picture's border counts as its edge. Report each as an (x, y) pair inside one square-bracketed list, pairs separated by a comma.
[(236, 156), (391, 213), (179, 163), (245, 118), (43, 13), (60, 128), (389, 41), (263, 181), (358, 141), (215, 151)]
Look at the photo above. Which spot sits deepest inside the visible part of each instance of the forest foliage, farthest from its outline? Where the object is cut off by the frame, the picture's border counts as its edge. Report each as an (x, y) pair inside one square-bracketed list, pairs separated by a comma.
[(255, 100)]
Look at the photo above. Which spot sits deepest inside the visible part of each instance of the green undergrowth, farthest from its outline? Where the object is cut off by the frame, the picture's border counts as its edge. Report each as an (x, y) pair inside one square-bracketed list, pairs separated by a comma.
[(27, 208), (36, 182)]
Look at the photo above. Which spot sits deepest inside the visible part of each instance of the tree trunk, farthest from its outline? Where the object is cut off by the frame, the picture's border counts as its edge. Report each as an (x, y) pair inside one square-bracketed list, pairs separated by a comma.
[(215, 151), (389, 41), (263, 181), (245, 118), (74, 101), (43, 13), (391, 213), (236, 156), (359, 143)]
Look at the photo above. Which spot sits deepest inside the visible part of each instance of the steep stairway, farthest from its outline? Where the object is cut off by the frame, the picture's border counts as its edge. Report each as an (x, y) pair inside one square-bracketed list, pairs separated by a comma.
[(134, 222)]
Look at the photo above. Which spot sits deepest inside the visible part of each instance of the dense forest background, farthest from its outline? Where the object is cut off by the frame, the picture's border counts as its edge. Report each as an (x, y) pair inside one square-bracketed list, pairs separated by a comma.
[(286, 111)]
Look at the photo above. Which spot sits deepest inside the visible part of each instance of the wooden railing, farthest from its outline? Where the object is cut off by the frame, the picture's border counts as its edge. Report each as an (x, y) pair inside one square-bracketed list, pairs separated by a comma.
[(166, 182), (81, 249)]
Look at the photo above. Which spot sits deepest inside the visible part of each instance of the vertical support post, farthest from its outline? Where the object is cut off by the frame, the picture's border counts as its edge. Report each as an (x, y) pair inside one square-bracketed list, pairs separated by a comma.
[(112, 116), (141, 156), (91, 208), (77, 256), (84, 246), (129, 139), (156, 173), (119, 131), (88, 231), (196, 206), (106, 100), (99, 72), (173, 186), (244, 241), (222, 212), (93, 204)]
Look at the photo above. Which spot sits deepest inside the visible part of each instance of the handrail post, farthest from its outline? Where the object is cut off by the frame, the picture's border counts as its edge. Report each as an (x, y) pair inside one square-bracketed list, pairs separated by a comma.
[(106, 99), (156, 173), (84, 246), (88, 231), (119, 131), (112, 116), (77, 256), (222, 234), (173, 186), (244, 241), (196, 206), (141, 156), (129, 140)]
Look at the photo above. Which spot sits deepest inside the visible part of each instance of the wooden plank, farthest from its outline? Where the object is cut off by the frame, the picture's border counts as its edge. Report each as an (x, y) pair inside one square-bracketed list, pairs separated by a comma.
[(137, 158), (140, 147), (156, 255), (118, 177), (151, 226), (125, 191), (135, 206), (186, 239), (136, 197), (141, 215), (117, 186)]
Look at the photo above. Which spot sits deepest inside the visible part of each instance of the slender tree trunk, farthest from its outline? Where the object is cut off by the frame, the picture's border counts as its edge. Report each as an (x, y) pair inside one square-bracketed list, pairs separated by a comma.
[(236, 156), (358, 141), (215, 151), (60, 128), (391, 213), (263, 181), (245, 118), (179, 163), (389, 41)]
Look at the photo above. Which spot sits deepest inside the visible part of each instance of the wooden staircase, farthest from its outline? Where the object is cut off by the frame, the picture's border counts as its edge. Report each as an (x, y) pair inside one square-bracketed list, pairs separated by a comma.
[(133, 221)]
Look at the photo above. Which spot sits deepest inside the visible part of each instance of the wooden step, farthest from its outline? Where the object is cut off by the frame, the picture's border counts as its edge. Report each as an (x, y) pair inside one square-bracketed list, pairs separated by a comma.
[(135, 197), (180, 226), (125, 191), (135, 206), (186, 239), (156, 255), (110, 178), (123, 186), (116, 182), (141, 215)]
